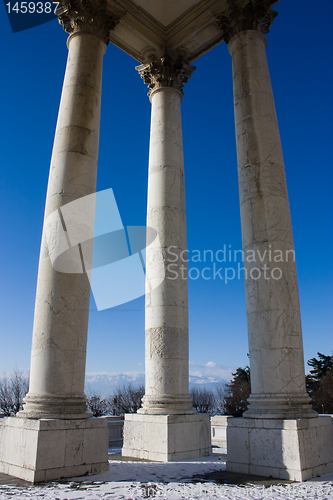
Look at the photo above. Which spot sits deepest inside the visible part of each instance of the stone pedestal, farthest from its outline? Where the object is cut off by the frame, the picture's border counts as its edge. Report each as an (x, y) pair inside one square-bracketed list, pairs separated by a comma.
[(295, 449), (48, 449), (166, 438), (116, 427), (219, 425)]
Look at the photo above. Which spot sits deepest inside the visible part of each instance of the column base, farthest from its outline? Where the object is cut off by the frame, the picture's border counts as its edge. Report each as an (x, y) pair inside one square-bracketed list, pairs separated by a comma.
[(281, 406), (167, 406), (297, 449), (54, 407), (166, 438), (47, 449)]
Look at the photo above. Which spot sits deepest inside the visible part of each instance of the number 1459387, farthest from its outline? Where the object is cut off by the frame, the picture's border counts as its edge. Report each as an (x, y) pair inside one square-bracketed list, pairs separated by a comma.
[(31, 7)]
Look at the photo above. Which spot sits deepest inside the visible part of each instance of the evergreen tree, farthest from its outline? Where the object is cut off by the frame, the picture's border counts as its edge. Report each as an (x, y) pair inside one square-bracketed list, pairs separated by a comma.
[(237, 393), (319, 383)]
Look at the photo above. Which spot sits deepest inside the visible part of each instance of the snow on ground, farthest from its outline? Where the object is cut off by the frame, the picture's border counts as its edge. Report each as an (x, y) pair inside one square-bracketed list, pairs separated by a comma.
[(135, 480)]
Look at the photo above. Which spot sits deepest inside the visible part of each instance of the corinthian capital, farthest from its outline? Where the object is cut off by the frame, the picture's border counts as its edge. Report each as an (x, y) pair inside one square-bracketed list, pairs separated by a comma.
[(254, 15), (89, 16), (166, 71)]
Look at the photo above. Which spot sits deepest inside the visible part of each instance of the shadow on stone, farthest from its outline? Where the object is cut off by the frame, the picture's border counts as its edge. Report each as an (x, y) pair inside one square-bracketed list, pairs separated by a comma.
[(15, 481), (235, 478)]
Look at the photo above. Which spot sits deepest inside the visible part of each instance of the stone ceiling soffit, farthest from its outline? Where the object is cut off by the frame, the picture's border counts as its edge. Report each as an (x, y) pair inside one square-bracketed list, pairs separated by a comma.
[(200, 13), (201, 43), (133, 43), (137, 33), (166, 11), (112, 7), (197, 32), (194, 33), (140, 19)]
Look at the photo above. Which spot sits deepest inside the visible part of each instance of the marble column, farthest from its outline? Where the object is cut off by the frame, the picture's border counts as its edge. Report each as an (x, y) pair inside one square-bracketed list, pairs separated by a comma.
[(62, 301), (272, 301), (166, 358), (166, 428), (277, 437), (54, 436)]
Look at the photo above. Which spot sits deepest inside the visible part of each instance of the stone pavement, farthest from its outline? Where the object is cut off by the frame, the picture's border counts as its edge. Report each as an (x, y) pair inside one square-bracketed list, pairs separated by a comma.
[(218, 477)]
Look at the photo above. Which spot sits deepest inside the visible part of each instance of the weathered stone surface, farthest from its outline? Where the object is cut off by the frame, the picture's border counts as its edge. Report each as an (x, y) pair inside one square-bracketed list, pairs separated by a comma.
[(62, 300), (219, 424), (286, 449), (166, 428), (246, 15), (54, 436), (272, 302), (166, 438), (166, 305), (90, 17), (166, 71), (115, 426), (265, 442), (46, 449)]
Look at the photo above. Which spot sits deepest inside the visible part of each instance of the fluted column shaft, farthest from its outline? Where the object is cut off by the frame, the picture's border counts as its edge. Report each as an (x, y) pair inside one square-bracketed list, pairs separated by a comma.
[(62, 302), (167, 390), (272, 301), (167, 305)]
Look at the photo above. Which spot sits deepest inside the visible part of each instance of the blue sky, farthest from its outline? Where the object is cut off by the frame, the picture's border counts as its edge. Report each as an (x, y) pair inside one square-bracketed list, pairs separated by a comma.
[(300, 60)]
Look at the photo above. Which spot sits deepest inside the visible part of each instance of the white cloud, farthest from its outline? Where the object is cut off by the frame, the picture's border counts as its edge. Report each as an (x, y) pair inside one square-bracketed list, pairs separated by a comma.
[(211, 370)]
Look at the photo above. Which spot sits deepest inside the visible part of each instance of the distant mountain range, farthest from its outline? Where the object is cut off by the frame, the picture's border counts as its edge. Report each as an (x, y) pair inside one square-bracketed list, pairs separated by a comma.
[(105, 384), (210, 382)]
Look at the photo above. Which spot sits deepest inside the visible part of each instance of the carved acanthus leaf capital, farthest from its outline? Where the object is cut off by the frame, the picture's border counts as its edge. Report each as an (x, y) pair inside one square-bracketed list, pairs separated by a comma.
[(89, 16), (255, 15), (166, 71)]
